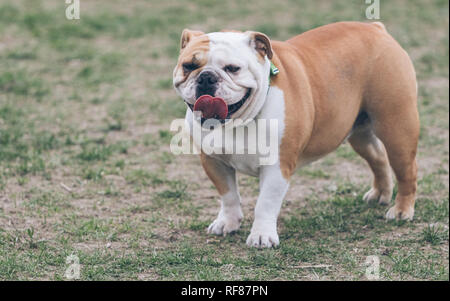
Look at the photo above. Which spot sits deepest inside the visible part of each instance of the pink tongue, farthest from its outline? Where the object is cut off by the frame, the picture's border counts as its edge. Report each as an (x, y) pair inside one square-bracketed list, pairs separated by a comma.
[(211, 107)]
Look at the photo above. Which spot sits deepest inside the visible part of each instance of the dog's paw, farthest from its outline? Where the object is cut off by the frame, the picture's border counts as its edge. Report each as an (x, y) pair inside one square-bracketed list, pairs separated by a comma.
[(374, 195), (263, 239), (224, 226), (401, 214)]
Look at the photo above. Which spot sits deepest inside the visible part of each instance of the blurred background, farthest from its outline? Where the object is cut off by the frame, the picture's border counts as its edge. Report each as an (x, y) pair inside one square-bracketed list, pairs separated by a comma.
[(86, 169)]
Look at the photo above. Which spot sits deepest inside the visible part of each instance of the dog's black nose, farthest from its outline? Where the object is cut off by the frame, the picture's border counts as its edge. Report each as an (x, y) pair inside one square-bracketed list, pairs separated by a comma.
[(207, 78), (206, 84)]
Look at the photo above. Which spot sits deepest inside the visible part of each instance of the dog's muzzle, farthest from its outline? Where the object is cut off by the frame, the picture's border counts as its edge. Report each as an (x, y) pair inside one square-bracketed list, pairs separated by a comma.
[(206, 84), (212, 107)]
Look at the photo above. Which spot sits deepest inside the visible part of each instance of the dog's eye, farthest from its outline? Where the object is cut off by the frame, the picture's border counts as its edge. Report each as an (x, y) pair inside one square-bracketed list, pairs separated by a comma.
[(189, 67), (232, 68)]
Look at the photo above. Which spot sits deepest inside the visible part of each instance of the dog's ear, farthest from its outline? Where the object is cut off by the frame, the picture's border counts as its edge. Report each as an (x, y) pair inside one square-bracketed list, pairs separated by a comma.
[(187, 36), (261, 43)]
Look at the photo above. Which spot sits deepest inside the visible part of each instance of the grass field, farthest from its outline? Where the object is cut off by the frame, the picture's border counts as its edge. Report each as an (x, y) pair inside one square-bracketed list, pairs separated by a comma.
[(86, 169)]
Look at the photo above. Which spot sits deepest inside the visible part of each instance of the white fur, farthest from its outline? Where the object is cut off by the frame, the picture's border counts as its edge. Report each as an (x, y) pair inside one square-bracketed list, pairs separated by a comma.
[(264, 103), (273, 186), (231, 48)]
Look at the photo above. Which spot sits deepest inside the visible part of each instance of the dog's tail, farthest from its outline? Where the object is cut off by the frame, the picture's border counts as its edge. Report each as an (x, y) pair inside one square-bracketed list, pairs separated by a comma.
[(379, 25)]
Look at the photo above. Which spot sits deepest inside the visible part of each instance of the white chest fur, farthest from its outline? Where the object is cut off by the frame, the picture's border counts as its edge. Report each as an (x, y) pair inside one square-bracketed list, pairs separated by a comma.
[(269, 124)]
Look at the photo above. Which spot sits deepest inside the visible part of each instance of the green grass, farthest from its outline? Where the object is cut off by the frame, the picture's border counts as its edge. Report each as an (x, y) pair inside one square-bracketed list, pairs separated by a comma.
[(86, 168)]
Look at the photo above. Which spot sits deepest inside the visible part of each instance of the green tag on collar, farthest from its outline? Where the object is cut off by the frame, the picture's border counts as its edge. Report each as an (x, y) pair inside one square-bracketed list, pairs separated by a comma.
[(273, 69)]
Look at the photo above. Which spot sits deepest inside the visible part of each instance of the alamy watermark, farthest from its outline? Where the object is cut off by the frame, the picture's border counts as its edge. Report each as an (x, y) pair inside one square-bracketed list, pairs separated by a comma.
[(73, 271), (373, 10), (73, 10), (234, 137), (373, 267)]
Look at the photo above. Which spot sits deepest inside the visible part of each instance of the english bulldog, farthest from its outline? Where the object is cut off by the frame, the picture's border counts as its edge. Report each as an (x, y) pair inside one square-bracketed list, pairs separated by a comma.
[(343, 81)]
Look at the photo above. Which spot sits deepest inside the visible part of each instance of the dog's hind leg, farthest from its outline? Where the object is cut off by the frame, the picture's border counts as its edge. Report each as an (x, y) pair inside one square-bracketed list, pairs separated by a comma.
[(392, 108), (390, 99), (400, 137), (368, 146), (224, 178)]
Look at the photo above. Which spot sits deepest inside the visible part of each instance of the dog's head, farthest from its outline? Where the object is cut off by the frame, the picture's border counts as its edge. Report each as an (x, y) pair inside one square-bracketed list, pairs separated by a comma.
[(229, 69)]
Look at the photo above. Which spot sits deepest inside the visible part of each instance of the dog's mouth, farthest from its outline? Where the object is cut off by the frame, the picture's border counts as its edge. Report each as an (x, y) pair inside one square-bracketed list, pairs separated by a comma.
[(231, 109), (236, 106)]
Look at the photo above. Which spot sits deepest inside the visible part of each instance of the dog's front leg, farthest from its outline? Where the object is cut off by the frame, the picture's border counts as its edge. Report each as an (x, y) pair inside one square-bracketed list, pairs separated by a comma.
[(224, 178), (273, 188)]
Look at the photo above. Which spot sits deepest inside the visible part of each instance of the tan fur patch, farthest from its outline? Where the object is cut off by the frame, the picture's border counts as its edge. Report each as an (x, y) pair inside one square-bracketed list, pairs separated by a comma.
[(296, 130), (213, 173), (328, 75), (196, 51)]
